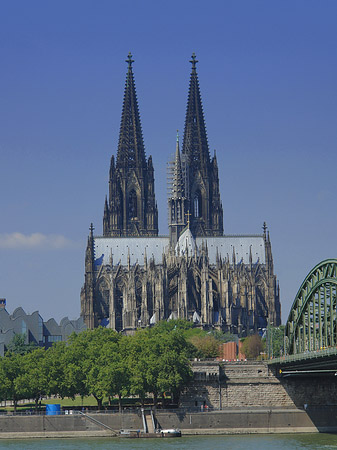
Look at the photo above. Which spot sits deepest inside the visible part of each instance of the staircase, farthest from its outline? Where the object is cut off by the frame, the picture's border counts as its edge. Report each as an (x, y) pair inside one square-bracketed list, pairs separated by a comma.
[(149, 422)]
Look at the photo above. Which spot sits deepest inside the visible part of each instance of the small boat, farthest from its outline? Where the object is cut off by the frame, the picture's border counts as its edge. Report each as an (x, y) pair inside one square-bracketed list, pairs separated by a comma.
[(130, 433), (170, 432), (167, 433)]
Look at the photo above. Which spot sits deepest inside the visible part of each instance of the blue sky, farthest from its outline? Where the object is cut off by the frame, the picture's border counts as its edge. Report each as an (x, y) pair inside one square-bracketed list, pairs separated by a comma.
[(267, 72)]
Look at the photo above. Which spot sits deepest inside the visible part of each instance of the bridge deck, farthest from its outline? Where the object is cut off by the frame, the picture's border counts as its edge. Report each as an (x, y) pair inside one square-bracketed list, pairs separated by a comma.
[(308, 363)]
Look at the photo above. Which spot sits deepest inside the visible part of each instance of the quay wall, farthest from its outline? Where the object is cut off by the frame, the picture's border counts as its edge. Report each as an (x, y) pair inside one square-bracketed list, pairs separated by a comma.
[(253, 420), (229, 421), (252, 384)]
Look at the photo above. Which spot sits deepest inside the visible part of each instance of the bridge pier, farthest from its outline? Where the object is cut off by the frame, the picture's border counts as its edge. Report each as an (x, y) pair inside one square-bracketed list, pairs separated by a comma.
[(222, 385)]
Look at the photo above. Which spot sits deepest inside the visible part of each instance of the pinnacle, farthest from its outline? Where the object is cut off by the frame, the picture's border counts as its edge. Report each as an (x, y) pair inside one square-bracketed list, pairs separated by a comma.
[(178, 184)]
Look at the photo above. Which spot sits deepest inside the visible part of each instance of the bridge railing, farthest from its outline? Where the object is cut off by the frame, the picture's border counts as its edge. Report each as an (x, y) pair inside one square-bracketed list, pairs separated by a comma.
[(330, 351)]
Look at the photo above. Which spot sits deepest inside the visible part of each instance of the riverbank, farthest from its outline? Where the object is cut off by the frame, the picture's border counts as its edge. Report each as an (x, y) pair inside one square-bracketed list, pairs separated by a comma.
[(229, 421)]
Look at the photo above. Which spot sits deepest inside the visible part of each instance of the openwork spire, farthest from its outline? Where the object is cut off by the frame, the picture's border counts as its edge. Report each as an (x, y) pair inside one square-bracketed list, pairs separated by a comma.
[(131, 152), (177, 179), (195, 145), (131, 209)]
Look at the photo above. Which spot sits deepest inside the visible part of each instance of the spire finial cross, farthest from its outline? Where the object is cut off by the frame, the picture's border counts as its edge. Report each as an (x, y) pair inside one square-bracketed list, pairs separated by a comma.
[(177, 135), (91, 229), (193, 60), (129, 60)]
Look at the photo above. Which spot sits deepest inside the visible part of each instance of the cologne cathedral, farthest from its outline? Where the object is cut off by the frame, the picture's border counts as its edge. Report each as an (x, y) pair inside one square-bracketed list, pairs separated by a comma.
[(135, 278)]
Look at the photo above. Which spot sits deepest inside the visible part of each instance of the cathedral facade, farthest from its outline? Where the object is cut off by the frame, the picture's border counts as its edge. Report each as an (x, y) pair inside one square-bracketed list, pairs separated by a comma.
[(135, 278)]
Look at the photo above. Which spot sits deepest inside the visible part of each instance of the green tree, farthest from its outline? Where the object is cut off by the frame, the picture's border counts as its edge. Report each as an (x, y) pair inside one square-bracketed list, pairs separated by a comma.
[(73, 368), (32, 382), (158, 363), (19, 346), (85, 358), (252, 346), (138, 362), (275, 341), (10, 369), (224, 337), (174, 371), (57, 363), (177, 324), (114, 372), (207, 345)]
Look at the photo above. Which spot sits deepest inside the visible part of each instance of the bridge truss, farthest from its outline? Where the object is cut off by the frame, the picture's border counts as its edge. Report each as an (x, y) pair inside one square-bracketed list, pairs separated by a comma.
[(312, 322)]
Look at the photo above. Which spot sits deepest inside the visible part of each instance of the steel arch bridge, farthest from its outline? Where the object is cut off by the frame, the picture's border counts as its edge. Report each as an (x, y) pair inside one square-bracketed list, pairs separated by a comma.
[(312, 322)]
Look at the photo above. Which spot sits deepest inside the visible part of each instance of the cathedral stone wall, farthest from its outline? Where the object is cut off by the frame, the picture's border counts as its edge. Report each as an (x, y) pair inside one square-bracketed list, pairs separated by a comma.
[(232, 297)]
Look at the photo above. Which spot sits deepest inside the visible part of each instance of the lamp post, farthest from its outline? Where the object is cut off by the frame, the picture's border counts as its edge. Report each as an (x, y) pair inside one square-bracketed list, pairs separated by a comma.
[(263, 334), (269, 340)]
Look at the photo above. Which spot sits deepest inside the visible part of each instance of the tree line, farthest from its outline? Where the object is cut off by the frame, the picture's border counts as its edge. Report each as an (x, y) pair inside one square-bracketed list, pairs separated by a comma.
[(101, 363), (105, 364)]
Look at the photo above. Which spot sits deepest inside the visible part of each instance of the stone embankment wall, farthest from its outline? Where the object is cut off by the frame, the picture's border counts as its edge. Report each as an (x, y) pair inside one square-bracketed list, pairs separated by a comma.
[(252, 420), (16, 426), (230, 421), (251, 384)]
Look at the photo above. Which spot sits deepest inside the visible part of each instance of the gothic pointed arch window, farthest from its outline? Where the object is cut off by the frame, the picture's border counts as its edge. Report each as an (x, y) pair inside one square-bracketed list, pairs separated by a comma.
[(132, 204), (261, 291), (118, 217), (138, 283), (197, 211), (178, 212), (119, 304), (102, 298), (173, 213)]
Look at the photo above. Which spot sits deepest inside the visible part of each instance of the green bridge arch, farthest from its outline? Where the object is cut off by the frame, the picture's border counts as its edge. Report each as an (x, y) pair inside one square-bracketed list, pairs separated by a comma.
[(312, 322)]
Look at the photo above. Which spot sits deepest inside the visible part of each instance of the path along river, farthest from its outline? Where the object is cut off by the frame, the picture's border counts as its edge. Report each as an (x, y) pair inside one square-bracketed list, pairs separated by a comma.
[(247, 442)]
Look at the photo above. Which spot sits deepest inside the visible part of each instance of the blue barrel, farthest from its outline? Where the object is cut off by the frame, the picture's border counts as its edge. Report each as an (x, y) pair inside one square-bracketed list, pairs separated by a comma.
[(53, 410)]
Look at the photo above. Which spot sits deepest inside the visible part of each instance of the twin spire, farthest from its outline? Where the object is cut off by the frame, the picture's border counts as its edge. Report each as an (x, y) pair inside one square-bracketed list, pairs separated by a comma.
[(131, 151), (195, 144), (131, 209)]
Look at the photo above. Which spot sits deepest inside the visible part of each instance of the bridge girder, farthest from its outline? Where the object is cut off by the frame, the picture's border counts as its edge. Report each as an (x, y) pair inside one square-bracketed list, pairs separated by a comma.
[(312, 322)]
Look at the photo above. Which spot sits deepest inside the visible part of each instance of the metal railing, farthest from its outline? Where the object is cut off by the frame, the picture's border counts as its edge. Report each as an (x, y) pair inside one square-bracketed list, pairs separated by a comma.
[(97, 422), (128, 410), (330, 351)]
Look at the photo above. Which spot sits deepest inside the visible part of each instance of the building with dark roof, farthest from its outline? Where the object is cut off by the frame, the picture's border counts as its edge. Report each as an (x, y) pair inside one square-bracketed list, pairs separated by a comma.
[(36, 331)]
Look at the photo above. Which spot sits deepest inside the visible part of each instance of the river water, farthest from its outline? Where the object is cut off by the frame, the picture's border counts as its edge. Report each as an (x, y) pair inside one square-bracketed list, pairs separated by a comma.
[(247, 442)]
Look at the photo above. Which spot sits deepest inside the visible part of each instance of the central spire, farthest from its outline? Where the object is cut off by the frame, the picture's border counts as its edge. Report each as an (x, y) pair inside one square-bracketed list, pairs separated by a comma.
[(177, 182), (177, 200), (131, 152)]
